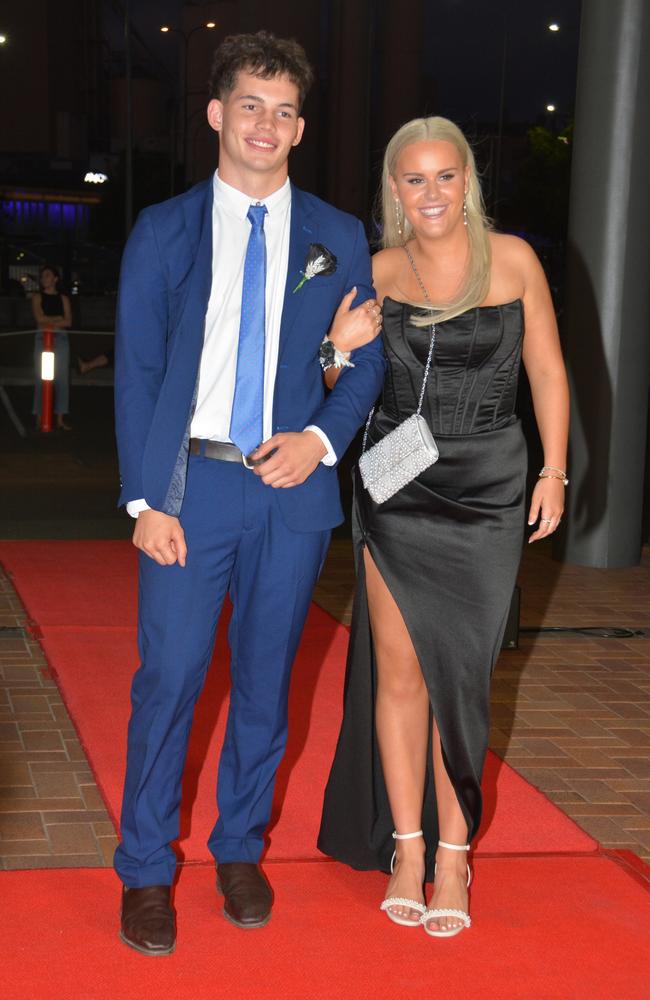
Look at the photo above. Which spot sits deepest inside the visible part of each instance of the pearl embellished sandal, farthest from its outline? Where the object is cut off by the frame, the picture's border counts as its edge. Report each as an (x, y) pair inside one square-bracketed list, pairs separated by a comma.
[(436, 913), (412, 904)]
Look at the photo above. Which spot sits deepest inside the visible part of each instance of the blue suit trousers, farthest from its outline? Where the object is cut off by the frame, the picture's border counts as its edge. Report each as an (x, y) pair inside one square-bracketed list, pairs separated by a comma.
[(239, 543)]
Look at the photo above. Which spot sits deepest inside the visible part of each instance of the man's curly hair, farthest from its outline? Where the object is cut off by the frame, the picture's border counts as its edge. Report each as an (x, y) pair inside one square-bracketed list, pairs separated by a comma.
[(262, 55)]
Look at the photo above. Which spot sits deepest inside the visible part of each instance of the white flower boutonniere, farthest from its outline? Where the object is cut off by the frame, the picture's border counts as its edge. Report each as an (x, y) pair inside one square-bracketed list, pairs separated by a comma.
[(319, 260)]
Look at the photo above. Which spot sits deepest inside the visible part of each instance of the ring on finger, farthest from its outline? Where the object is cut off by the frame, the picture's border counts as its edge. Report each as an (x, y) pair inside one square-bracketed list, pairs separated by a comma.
[(545, 520)]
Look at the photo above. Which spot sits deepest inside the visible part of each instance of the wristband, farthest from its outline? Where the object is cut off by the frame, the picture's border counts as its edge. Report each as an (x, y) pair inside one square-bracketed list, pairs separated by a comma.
[(330, 356)]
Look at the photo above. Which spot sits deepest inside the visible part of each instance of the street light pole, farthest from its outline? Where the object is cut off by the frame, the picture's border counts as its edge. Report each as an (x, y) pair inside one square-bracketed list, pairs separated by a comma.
[(128, 153), (553, 27), (502, 105), (186, 62), (550, 117), (186, 35)]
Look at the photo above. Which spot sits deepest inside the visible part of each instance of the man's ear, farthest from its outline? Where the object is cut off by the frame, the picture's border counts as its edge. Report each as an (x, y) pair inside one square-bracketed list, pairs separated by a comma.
[(300, 123), (215, 114)]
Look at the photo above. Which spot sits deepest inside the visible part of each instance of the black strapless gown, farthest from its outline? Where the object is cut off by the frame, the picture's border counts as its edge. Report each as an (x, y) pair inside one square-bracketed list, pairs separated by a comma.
[(448, 546)]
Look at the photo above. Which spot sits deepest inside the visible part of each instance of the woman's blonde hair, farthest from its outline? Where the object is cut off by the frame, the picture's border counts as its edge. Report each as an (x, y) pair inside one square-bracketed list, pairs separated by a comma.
[(476, 283)]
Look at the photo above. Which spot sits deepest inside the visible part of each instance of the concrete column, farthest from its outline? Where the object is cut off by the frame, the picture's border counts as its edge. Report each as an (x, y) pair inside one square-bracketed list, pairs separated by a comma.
[(607, 322)]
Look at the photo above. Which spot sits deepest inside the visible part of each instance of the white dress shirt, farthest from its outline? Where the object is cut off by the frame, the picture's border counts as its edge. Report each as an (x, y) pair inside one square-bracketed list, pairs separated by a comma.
[(218, 368)]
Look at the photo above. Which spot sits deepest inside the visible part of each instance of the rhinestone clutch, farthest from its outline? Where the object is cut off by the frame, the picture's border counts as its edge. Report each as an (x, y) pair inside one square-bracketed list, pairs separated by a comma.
[(398, 458)]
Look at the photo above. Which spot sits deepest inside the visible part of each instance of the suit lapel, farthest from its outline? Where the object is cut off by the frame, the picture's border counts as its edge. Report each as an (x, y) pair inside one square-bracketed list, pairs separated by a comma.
[(303, 232), (189, 342), (198, 219), (197, 204)]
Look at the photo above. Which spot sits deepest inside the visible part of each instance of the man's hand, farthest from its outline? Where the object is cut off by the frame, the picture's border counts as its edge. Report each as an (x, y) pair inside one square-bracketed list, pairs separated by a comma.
[(160, 537), (295, 457)]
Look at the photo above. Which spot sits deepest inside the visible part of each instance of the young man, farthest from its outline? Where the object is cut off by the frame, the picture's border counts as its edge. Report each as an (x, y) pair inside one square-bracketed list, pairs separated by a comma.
[(218, 350)]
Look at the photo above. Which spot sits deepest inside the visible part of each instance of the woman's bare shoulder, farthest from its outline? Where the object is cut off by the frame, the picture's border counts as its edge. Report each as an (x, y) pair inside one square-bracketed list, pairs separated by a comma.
[(386, 266), (511, 250), (385, 261)]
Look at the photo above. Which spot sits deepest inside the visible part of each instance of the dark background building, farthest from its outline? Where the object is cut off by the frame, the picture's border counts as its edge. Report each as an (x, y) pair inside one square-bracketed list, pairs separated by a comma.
[(103, 113), (85, 97)]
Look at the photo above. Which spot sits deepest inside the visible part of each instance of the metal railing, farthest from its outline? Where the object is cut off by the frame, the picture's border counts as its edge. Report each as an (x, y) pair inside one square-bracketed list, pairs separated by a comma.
[(26, 376)]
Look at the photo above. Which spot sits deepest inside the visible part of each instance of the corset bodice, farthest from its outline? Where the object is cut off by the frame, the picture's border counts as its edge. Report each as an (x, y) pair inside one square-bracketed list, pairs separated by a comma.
[(472, 382)]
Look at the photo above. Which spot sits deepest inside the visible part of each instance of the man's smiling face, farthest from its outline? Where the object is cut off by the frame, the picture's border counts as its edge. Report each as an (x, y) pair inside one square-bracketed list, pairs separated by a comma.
[(258, 124)]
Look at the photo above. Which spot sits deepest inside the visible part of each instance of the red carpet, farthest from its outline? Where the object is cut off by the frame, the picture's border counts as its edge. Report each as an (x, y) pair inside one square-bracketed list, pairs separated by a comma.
[(553, 917), (82, 597), (551, 928)]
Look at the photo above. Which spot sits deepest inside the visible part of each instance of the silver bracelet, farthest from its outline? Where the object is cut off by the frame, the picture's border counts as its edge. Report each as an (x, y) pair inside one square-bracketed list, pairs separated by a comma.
[(550, 472)]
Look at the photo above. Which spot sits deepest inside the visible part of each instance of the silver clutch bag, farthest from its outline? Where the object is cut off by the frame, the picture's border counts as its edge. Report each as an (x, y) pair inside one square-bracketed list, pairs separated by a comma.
[(398, 458), (403, 453)]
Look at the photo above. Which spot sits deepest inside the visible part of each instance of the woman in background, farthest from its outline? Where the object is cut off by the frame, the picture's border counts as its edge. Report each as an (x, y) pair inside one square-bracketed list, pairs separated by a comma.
[(437, 562), (52, 311)]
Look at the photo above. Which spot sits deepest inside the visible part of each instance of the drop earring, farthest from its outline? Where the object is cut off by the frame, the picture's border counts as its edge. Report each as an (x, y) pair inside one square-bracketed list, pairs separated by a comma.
[(464, 211), (398, 218)]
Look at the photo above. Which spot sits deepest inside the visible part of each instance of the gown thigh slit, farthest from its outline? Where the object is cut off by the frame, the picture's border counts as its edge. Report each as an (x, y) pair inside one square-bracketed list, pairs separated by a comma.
[(447, 547), (432, 708)]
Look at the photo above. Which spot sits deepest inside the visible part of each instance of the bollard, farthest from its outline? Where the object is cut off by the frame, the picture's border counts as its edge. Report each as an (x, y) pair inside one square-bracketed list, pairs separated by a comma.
[(47, 382)]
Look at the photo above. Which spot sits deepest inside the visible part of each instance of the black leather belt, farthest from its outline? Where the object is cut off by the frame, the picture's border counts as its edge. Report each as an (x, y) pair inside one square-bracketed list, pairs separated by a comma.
[(223, 451)]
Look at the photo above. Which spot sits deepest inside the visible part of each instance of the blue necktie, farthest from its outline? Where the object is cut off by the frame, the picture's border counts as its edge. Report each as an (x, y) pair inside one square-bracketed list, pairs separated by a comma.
[(248, 403)]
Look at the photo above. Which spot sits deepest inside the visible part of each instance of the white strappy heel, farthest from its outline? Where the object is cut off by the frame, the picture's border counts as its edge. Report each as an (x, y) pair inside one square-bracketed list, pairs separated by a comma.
[(435, 914), (402, 900)]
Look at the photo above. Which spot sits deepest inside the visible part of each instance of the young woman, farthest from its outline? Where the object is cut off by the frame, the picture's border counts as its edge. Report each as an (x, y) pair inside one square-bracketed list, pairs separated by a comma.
[(437, 562)]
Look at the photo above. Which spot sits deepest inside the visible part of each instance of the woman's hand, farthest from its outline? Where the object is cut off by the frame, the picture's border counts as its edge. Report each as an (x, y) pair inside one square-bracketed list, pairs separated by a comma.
[(352, 328), (547, 504)]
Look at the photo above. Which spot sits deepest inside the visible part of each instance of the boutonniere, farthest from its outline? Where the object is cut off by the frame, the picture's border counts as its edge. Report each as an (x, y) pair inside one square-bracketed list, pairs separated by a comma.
[(319, 260)]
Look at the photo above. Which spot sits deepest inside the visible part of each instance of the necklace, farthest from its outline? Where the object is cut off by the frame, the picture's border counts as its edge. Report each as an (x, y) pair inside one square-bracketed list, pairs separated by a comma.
[(417, 274)]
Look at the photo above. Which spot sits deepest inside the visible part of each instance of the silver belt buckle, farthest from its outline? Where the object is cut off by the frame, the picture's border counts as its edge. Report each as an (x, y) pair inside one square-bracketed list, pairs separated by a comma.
[(259, 461)]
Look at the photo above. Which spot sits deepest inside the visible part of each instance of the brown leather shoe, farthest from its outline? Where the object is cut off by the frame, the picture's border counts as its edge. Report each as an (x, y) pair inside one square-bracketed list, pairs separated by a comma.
[(148, 923), (248, 897)]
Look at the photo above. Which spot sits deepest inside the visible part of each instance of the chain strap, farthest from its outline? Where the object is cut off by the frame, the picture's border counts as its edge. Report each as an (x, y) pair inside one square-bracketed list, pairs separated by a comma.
[(427, 367), (416, 273), (433, 328)]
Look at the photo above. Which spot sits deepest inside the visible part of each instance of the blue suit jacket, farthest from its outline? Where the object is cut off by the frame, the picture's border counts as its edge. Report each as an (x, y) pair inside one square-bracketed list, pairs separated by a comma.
[(165, 285)]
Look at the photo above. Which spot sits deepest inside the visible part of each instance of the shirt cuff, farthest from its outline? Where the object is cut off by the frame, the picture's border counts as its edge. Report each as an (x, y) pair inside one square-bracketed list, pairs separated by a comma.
[(330, 457), (134, 507)]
